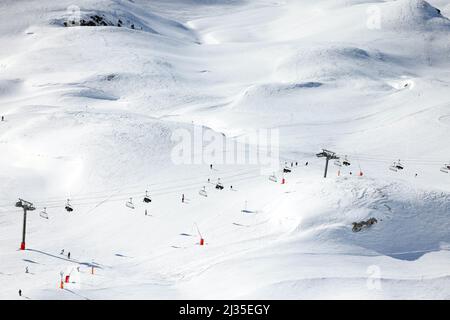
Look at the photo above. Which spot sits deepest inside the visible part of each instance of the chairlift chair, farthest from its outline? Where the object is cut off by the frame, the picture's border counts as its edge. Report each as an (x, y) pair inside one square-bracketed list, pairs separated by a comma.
[(393, 167), (345, 162), (287, 170), (130, 204), (446, 168), (147, 199), (202, 192), (397, 166), (68, 206), (219, 185), (273, 178), (43, 214)]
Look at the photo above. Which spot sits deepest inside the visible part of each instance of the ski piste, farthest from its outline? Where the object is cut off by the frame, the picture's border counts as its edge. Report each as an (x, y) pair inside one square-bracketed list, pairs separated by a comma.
[(97, 98)]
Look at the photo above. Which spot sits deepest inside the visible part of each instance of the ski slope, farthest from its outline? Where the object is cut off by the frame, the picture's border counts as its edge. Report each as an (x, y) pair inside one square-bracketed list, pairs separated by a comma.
[(90, 115)]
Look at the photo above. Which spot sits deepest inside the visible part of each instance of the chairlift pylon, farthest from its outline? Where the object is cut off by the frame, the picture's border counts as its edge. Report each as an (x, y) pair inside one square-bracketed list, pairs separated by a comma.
[(68, 206), (130, 204), (147, 198), (43, 214)]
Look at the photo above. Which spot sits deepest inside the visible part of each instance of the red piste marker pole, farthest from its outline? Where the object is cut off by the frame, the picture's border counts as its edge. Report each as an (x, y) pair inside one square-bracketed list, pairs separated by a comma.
[(202, 241)]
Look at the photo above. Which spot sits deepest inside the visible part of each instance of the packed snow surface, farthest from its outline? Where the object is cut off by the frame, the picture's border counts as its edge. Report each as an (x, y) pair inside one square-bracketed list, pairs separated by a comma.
[(90, 114)]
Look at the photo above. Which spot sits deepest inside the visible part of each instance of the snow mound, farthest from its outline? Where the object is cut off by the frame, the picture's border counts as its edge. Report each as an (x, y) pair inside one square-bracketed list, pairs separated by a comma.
[(398, 207), (336, 63), (412, 15)]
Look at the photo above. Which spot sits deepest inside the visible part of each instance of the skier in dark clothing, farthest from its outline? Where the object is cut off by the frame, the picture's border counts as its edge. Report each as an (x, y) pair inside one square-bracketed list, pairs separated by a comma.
[(182, 198), (68, 255), (20, 292), (306, 164)]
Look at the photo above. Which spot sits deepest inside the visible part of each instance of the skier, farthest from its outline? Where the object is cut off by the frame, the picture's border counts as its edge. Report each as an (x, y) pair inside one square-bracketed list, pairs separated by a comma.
[(145, 211), (20, 292), (182, 198), (306, 164), (416, 175), (292, 164), (26, 270), (210, 166), (3, 118), (296, 163), (62, 252), (68, 255), (209, 180), (231, 188)]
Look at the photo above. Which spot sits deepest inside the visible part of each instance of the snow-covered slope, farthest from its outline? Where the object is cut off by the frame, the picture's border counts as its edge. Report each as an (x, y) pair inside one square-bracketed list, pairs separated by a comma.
[(91, 112)]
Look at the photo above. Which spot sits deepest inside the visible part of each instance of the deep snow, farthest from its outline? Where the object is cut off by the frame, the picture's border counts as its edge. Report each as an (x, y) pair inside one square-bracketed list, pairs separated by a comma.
[(90, 114)]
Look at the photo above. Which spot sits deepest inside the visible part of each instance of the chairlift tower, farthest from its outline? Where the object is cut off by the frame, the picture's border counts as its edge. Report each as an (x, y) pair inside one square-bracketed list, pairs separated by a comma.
[(328, 155), (26, 206)]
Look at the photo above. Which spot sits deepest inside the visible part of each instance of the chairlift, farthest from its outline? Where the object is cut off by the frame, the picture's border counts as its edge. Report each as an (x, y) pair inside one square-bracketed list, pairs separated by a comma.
[(345, 162), (287, 169), (202, 192), (43, 214), (219, 185), (400, 166), (130, 204), (147, 198), (68, 206), (397, 166), (273, 178)]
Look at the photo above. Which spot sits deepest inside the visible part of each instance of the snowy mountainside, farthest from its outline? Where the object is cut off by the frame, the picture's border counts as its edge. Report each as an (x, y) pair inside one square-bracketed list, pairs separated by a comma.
[(92, 111)]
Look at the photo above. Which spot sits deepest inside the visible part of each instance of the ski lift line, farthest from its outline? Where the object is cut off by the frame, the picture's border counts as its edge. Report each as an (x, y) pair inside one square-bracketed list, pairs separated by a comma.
[(39, 203), (136, 186), (191, 178), (139, 186), (101, 194), (178, 187), (377, 158), (126, 197)]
